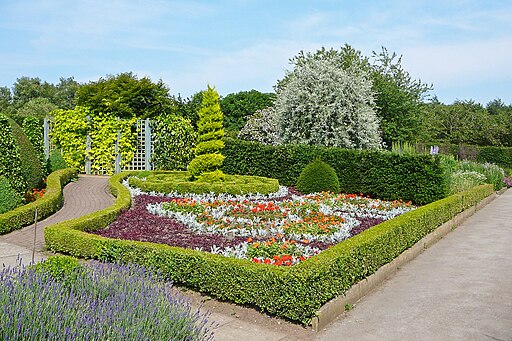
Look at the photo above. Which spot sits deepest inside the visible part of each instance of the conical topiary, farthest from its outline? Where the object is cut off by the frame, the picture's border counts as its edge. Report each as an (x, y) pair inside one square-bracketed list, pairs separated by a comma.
[(318, 176), (210, 133)]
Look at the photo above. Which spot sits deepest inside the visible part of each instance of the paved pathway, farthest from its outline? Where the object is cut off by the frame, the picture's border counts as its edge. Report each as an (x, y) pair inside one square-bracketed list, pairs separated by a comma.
[(88, 194)]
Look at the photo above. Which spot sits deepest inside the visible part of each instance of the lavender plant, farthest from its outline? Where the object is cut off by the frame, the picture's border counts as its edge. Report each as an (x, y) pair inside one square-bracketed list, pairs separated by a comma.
[(102, 302)]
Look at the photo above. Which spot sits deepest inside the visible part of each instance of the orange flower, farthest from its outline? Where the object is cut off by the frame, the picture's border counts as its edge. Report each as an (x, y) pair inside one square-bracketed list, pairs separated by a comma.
[(249, 240)]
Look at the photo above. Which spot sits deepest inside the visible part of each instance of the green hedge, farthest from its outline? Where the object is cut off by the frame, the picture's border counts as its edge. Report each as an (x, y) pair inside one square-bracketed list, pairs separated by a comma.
[(47, 205), (502, 156), (295, 292), (178, 181), (380, 174)]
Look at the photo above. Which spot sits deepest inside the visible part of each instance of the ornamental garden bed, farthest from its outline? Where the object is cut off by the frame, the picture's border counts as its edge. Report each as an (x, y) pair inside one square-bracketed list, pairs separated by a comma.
[(282, 228), (293, 292)]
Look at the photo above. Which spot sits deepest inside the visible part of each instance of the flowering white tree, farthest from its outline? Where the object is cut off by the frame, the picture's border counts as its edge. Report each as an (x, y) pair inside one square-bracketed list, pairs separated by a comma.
[(327, 100), (261, 127)]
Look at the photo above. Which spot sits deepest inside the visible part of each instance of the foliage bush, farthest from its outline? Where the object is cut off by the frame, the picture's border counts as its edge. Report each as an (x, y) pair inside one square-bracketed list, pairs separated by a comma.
[(33, 128), (380, 174), (262, 127), (47, 205), (324, 102), (174, 141), (10, 159), (69, 131), (56, 161), (318, 176), (217, 182), (492, 173), (31, 167), (9, 199), (210, 133), (463, 180), (294, 292)]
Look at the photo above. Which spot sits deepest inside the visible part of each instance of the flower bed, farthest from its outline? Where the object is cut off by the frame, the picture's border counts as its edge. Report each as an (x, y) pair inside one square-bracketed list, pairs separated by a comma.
[(282, 228)]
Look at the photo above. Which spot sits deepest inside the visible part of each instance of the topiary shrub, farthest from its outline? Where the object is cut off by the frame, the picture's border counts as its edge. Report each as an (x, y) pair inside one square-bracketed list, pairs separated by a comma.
[(9, 199), (318, 176), (55, 162), (174, 143), (33, 128), (31, 168), (209, 142)]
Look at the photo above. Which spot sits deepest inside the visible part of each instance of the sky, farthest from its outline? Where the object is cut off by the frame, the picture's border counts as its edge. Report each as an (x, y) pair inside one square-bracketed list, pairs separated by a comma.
[(463, 48)]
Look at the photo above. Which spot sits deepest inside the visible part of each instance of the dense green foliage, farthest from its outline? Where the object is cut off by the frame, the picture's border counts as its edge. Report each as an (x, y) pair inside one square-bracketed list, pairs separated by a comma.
[(69, 133), (174, 140), (125, 96), (216, 182), (55, 161), (38, 107), (322, 101), (383, 175), (61, 95), (9, 199), (294, 292), (262, 127), (210, 133), (31, 167), (318, 176), (47, 205), (237, 107), (10, 159), (33, 128)]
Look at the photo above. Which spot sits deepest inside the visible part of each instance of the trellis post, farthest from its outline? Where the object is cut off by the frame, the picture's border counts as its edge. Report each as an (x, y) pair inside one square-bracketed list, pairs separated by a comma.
[(46, 137), (88, 162), (147, 144)]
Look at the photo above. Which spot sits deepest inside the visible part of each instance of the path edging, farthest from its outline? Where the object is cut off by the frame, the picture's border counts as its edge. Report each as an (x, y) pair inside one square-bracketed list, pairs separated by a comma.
[(335, 307)]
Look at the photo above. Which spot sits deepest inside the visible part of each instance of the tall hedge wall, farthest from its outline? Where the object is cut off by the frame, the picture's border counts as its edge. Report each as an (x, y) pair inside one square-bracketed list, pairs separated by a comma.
[(384, 175)]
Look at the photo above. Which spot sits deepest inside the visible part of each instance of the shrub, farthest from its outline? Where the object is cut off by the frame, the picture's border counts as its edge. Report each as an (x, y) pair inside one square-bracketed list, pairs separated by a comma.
[(69, 131), (174, 142), (463, 180), (493, 174), (55, 161), (318, 176), (380, 174), (237, 107), (10, 159), (104, 302), (324, 102), (294, 292), (209, 142), (31, 167), (9, 199)]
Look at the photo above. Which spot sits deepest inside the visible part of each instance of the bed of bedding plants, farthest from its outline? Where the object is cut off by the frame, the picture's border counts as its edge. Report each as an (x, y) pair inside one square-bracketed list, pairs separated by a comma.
[(281, 228), (62, 299)]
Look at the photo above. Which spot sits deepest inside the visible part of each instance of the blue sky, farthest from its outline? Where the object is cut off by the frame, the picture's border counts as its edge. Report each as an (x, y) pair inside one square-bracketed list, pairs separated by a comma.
[(463, 48)]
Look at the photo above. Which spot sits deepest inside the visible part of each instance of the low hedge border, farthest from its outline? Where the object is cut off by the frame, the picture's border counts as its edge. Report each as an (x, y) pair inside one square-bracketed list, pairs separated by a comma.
[(50, 203), (243, 184), (295, 293)]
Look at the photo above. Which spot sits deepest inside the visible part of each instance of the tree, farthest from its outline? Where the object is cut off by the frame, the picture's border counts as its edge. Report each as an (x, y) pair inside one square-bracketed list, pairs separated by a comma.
[(38, 107), (189, 107), (398, 98), (237, 107), (5, 99), (27, 88), (65, 96), (125, 96), (326, 100), (210, 133)]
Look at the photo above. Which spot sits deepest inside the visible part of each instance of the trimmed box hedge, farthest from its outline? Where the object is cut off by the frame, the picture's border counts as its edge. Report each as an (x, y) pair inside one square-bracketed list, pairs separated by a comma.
[(294, 292), (50, 203), (179, 181), (380, 174)]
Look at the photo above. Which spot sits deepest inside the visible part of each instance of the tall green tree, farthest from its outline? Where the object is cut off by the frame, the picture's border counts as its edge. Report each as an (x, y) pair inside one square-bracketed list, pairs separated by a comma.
[(27, 88), (237, 107), (125, 96), (398, 98), (38, 107)]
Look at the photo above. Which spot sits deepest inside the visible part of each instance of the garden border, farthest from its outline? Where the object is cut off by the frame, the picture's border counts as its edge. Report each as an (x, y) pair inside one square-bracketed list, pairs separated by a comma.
[(50, 203), (337, 306), (298, 292)]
